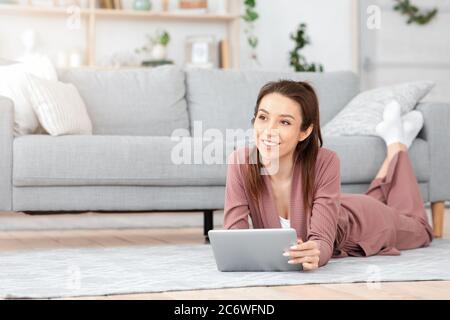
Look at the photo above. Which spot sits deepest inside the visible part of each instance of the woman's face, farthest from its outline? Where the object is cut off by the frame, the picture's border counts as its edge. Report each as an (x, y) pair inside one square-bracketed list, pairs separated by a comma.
[(277, 126)]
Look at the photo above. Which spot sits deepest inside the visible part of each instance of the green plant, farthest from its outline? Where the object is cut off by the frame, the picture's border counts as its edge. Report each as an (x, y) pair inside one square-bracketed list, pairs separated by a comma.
[(159, 37), (297, 60), (250, 17), (412, 12)]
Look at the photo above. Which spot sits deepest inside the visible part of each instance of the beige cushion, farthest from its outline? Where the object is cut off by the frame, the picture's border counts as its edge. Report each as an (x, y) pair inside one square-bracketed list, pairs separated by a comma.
[(14, 85), (59, 107)]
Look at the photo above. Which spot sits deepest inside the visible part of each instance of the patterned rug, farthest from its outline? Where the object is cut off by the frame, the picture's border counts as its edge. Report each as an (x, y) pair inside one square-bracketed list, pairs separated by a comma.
[(138, 269)]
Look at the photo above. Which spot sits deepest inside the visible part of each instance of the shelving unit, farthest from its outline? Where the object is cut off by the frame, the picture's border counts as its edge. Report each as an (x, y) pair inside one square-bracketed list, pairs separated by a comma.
[(163, 15), (92, 14), (35, 10)]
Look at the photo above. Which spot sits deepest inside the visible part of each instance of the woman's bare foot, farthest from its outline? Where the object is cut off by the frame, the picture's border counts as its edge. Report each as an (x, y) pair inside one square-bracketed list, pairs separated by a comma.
[(394, 148)]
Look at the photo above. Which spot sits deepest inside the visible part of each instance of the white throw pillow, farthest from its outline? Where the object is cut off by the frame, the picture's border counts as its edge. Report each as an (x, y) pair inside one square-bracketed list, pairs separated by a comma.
[(14, 85), (365, 111), (59, 107)]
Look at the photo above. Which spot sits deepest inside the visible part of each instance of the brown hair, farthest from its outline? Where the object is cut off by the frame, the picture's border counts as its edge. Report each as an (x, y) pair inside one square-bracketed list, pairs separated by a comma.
[(306, 151)]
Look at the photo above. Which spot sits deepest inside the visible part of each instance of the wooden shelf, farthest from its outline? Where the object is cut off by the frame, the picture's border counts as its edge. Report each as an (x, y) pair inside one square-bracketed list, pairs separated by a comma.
[(121, 13), (164, 15), (92, 14), (35, 10)]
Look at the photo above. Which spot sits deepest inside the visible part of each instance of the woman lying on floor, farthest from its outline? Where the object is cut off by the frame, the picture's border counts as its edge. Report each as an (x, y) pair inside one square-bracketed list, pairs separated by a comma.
[(289, 180)]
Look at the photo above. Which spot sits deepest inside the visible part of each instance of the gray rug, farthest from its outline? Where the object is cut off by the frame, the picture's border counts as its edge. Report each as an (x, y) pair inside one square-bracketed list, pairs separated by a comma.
[(88, 271)]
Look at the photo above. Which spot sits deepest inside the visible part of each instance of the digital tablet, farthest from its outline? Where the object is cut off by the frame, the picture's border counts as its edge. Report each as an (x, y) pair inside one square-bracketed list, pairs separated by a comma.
[(253, 249)]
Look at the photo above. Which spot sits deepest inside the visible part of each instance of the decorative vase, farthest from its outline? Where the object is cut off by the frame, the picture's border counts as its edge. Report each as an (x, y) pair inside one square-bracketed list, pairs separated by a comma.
[(142, 5), (159, 52)]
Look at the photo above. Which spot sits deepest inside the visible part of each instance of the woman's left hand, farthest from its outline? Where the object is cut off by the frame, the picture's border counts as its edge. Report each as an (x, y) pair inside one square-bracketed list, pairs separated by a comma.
[(307, 253)]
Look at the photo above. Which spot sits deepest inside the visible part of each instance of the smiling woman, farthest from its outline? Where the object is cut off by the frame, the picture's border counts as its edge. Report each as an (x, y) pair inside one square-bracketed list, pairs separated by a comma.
[(288, 174), (286, 114)]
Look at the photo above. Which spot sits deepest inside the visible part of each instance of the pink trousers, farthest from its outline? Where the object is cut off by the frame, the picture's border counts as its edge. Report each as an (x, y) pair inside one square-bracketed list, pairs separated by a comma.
[(400, 192), (390, 216)]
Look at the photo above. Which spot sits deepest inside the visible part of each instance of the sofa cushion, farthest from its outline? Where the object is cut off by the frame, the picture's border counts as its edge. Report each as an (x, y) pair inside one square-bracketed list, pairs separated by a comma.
[(132, 101), (362, 156), (42, 160), (225, 99), (59, 107), (365, 111)]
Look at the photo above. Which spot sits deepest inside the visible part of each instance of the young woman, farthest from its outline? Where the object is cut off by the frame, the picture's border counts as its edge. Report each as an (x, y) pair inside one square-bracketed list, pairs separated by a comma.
[(294, 182)]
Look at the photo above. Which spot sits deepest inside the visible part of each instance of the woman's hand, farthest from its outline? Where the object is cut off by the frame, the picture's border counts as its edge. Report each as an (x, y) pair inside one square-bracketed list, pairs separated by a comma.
[(307, 253)]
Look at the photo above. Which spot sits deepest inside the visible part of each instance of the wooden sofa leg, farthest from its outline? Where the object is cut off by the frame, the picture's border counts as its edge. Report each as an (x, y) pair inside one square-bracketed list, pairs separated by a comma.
[(208, 223), (437, 211)]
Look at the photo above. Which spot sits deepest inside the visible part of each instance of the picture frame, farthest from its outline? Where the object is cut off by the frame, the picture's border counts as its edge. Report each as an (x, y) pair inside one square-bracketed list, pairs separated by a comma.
[(201, 52)]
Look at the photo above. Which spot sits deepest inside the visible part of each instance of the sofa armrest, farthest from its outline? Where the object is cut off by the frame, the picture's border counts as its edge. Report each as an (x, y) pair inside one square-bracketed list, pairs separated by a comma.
[(6, 153), (435, 131)]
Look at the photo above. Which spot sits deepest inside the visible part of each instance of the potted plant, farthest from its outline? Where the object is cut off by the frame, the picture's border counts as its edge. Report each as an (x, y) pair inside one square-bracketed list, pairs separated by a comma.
[(296, 59), (160, 42), (157, 45)]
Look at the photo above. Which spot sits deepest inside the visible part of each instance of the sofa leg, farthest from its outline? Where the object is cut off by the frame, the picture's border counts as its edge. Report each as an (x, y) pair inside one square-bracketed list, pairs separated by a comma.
[(208, 223), (437, 211)]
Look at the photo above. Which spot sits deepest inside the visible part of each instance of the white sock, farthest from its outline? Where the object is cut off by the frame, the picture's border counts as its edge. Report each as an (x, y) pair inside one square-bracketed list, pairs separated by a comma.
[(391, 128), (412, 123), (392, 111)]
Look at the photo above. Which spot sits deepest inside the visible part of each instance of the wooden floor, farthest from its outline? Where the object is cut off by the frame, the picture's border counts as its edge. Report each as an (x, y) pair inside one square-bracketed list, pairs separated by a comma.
[(29, 240)]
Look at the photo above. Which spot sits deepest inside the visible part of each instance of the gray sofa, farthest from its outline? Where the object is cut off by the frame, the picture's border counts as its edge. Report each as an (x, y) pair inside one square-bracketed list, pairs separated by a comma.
[(126, 165)]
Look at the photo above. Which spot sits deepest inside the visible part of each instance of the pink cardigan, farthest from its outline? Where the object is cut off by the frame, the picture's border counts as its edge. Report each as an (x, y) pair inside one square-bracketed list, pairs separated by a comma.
[(321, 225)]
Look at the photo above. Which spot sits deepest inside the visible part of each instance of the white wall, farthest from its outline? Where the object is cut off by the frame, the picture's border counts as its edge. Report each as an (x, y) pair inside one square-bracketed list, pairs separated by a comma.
[(329, 27), (398, 52), (52, 34)]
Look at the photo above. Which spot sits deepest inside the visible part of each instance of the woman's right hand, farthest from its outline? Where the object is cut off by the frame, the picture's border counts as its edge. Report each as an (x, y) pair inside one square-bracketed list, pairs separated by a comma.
[(307, 253)]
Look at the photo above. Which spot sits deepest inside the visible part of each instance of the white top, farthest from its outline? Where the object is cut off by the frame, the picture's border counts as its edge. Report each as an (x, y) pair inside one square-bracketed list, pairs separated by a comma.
[(285, 223)]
